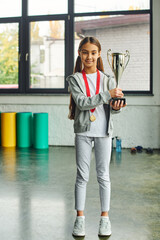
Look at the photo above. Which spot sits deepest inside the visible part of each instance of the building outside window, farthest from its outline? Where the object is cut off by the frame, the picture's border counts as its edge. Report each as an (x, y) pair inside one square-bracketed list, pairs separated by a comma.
[(47, 54), (121, 33)]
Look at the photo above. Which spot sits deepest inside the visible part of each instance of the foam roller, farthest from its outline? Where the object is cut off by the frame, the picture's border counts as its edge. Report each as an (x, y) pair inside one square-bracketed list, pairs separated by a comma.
[(8, 129), (24, 129), (40, 130)]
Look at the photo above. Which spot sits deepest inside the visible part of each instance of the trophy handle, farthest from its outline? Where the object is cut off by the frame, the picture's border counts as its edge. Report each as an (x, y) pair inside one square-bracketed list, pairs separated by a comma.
[(109, 54), (127, 55)]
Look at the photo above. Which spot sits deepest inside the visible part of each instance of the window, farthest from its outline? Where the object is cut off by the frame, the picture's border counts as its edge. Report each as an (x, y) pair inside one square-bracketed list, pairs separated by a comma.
[(47, 7), (120, 26), (114, 5), (47, 70), (9, 45), (39, 41), (120, 33), (10, 8)]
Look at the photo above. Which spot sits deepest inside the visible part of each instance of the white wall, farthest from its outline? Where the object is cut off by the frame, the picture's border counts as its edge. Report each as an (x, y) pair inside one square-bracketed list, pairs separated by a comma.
[(138, 124)]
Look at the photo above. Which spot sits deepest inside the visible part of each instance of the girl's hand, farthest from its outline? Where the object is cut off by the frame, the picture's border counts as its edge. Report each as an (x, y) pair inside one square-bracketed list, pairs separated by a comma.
[(117, 105), (116, 93)]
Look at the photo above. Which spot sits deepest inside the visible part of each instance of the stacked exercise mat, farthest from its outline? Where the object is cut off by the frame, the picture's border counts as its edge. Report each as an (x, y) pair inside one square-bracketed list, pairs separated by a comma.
[(24, 130)]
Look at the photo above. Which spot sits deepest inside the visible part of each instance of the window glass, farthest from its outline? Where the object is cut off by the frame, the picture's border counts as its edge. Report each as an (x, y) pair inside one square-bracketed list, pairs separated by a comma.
[(10, 8), (106, 5), (47, 7), (47, 54), (120, 33), (9, 55)]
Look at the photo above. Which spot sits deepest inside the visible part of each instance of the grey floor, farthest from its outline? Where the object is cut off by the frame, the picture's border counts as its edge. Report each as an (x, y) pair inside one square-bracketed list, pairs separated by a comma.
[(37, 195)]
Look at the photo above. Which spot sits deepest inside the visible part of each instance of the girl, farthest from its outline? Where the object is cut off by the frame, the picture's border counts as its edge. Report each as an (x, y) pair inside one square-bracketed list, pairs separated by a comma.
[(90, 107)]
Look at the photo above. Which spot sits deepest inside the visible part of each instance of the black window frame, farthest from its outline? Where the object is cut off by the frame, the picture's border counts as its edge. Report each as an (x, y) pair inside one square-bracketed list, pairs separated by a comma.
[(68, 18)]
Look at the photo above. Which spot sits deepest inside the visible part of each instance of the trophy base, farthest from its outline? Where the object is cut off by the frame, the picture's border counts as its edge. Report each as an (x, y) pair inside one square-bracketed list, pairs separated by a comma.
[(117, 99)]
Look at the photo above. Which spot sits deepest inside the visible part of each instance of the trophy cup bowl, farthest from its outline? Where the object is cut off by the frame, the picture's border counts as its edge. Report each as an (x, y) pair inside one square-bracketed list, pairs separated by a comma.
[(118, 65)]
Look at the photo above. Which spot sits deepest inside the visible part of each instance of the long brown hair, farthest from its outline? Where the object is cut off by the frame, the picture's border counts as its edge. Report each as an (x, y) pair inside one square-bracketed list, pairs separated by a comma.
[(78, 68)]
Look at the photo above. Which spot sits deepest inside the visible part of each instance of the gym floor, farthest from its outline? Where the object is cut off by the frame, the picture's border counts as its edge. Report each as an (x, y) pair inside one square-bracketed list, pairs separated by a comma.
[(37, 195)]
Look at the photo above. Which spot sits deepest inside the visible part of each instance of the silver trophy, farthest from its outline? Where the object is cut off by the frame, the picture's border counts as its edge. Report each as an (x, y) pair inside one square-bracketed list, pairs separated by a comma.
[(118, 65)]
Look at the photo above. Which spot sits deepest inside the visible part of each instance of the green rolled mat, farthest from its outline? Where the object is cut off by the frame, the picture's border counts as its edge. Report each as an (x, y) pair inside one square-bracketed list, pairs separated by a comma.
[(24, 129), (40, 130)]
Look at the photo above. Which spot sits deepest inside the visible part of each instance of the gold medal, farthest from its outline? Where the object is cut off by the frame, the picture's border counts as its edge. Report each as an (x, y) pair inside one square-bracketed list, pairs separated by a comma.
[(92, 118)]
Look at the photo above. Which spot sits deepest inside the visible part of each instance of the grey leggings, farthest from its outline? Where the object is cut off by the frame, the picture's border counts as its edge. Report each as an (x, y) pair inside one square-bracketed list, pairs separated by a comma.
[(102, 146)]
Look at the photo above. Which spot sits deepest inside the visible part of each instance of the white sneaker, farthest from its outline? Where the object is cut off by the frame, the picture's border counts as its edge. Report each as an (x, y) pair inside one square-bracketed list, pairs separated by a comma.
[(104, 227), (79, 227)]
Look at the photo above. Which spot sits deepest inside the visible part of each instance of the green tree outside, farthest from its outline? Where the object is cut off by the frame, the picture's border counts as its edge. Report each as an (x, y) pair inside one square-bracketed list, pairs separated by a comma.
[(9, 55)]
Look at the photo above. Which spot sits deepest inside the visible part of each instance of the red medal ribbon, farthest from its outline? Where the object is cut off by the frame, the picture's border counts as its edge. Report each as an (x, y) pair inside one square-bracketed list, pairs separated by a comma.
[(87, 85)]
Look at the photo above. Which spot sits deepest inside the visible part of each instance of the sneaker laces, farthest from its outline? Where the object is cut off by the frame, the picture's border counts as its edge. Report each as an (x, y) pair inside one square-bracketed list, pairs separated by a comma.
[(104, 223), (79, 224)]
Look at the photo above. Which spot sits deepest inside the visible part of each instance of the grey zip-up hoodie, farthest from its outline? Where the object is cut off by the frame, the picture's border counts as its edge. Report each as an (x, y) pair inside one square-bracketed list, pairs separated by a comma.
[(84, 104)]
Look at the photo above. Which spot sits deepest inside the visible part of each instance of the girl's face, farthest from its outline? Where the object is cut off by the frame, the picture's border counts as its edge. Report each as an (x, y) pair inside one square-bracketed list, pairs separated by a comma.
[(89, 55)]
